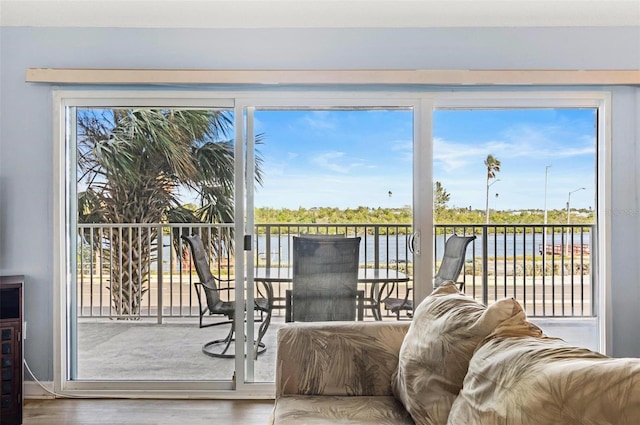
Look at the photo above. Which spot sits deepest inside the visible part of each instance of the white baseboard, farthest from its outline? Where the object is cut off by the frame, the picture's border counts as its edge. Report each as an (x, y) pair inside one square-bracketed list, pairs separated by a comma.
[(33, 390)]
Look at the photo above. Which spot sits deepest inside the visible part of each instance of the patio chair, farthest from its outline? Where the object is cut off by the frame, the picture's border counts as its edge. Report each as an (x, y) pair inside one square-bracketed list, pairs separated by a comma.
[(325, 280), (452, 262), (209, 286)]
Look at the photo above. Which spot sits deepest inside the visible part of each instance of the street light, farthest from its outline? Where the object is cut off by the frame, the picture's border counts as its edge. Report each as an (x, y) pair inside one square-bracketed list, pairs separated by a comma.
[(569, 204), (546, 173), (487, 206), (569, 214), (544, 234)]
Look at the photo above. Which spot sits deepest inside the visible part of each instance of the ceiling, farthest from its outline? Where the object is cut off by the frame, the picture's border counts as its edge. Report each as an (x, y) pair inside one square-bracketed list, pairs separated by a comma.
[(319, 13)]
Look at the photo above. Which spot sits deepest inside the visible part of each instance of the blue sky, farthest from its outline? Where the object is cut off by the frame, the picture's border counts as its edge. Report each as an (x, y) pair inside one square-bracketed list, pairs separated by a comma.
[(335, 158), (525, 141), (348, 159)]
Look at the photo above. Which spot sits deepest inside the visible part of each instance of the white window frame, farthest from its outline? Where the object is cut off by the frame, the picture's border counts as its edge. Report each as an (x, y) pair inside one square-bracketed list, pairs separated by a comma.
[(601, 101), (423, 102)]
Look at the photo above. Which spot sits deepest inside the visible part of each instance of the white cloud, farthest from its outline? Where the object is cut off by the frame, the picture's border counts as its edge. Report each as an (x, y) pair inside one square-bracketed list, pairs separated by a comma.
[(547, 142), (454, 156), (404, 148), (319, 120), (333, 161)]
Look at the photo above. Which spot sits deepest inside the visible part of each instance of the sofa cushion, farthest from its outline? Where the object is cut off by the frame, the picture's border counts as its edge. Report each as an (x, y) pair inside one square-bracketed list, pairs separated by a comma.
[(329, 410), (338, 358), (518, 375), (434, 357)]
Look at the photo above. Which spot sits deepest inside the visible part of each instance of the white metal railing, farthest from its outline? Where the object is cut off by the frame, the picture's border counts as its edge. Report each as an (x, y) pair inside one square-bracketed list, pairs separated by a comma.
[(547, 268), (127, 271)]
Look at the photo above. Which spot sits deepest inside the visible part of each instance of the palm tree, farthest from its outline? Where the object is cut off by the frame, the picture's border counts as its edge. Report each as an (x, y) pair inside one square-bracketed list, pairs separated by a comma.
[(493, 166), (133, 163)]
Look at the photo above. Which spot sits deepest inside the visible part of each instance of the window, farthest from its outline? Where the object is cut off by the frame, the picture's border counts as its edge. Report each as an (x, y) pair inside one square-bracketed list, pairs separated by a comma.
[(84, 248)]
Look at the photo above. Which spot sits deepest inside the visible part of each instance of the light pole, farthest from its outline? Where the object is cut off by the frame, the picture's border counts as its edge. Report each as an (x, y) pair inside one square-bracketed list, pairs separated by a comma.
[(487, 206), (544, 234), (569, 214), (546, 173)]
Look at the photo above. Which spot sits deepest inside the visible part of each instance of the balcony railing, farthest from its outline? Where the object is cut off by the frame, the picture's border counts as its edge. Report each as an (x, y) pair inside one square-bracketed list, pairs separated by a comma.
[(546, 268)]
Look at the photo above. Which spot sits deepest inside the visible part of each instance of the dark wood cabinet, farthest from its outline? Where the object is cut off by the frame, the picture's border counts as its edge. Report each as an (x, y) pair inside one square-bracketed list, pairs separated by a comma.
[(11, 340)]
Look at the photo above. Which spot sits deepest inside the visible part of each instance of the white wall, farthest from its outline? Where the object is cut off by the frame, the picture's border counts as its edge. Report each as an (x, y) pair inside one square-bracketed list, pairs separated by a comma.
[(26, 206)]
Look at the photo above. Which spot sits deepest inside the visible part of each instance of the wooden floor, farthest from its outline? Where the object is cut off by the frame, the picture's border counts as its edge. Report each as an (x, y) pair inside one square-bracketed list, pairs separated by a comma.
[(146, 412)]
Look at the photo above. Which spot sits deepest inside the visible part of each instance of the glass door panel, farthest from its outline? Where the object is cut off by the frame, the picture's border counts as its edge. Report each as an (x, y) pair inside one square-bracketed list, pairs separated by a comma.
[(143, 178), (326, 170), (524, 181)]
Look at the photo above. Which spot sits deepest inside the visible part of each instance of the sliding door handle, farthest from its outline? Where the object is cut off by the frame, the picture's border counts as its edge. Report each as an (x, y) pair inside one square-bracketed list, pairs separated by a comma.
[(414, 243)]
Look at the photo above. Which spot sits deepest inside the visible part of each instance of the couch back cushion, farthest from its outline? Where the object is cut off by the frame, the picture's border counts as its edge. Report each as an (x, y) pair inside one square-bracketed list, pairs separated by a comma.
[(338, 358), (434, 357), (518, 375)]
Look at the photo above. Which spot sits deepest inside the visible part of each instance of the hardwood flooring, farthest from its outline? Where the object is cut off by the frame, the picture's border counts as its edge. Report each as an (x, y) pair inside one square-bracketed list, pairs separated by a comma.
[(146, 412)]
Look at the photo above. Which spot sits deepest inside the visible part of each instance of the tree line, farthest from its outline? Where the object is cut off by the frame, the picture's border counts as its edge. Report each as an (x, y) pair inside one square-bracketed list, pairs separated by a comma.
[(404, 215)]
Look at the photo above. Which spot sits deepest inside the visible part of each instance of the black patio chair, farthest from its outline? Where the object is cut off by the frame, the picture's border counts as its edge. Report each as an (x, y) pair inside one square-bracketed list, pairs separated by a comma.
[(325, 280), (214, 305), (452, 262)]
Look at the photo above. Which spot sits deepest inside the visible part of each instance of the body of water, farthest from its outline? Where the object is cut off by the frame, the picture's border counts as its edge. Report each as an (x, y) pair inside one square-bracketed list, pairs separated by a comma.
[(395, 247)]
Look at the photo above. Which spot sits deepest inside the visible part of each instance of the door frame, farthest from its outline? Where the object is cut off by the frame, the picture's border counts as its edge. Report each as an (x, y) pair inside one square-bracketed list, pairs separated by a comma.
[(600, 101), (301, 102), (64, 185), (423, 102)]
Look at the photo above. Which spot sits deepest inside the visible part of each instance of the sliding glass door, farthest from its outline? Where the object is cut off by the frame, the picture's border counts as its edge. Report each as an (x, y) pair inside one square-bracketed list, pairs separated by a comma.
[(136, 171), (524, 175), (139, 178), (324, 168)]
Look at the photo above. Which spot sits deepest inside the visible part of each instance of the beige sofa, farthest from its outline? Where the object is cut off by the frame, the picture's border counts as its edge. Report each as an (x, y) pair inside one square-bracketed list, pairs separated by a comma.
[(458, 363)]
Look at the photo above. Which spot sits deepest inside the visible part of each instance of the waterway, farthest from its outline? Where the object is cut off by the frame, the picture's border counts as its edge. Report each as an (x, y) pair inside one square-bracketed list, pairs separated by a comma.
[(394, 247)]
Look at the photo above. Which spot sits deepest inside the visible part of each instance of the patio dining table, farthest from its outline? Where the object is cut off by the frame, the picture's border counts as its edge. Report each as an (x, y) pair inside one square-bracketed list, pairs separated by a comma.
[(382, 282)]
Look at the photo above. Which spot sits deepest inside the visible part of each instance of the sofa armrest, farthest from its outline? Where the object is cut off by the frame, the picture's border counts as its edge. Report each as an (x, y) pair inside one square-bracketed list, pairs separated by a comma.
[(338, 358)]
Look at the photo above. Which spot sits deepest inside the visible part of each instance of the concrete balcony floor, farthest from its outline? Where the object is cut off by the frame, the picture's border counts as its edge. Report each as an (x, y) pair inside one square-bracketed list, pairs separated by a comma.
[(144, 350)]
